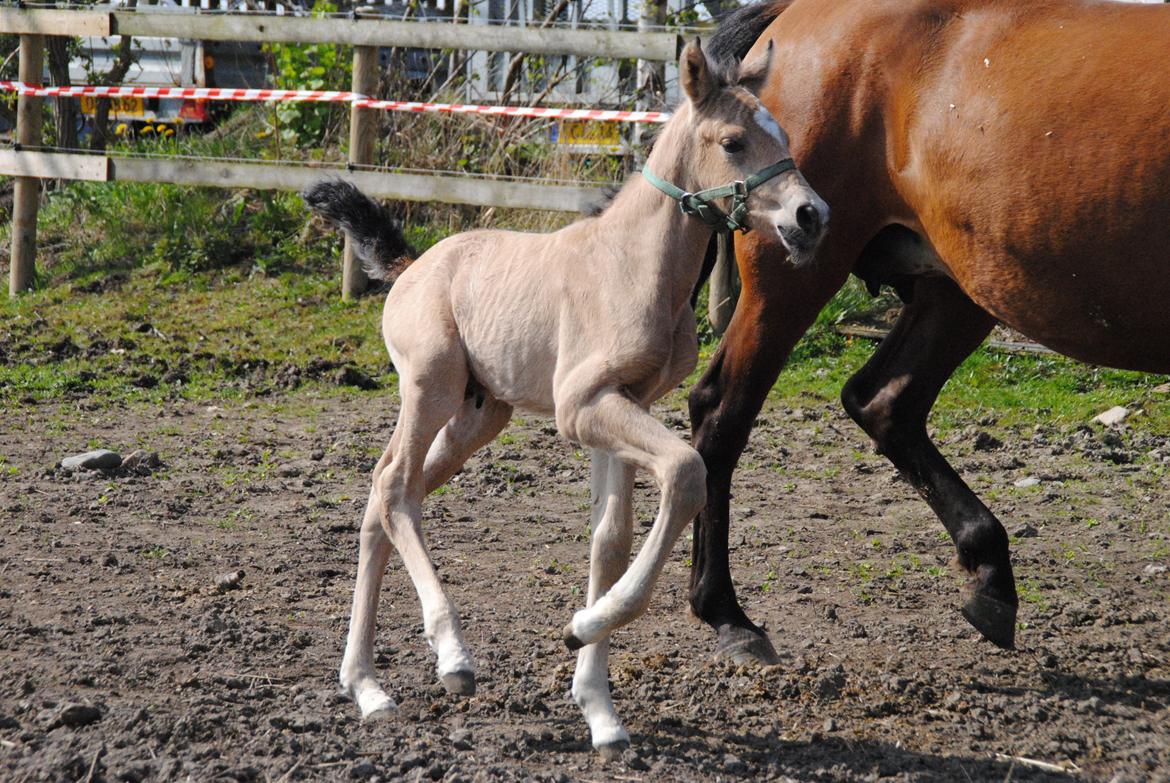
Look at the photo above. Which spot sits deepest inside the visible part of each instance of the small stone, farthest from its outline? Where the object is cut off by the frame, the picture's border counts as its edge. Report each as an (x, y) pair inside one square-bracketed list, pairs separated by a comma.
[(461, 739), (363, 770), (1025, 531), (101, 459), (733, 763), (985, 441), (74, 715), (110, 559), (829, 725), (635, 761), (1114, 415), (352, 376), (141, 459), (229, 581), (1153, 569), (1030, 481)]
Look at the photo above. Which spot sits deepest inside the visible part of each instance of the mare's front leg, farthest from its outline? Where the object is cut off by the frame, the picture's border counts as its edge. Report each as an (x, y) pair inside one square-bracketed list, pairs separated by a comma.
[(612, 517), (891, 397), (777, 305)]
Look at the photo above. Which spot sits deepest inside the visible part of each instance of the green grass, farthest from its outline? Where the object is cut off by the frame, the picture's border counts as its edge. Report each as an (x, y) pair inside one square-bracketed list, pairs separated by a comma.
[(154, 292)]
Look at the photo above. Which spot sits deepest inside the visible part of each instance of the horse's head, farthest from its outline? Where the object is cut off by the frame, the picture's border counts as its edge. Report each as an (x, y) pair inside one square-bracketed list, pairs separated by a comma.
[(739, 153)]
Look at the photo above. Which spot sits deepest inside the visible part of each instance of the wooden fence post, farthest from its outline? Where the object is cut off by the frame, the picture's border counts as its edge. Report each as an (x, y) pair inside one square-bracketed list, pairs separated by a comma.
[(27, 192), (363, 127)]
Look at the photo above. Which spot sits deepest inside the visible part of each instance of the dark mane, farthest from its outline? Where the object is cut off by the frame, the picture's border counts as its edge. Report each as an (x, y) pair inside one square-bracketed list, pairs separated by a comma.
[(740, 29)]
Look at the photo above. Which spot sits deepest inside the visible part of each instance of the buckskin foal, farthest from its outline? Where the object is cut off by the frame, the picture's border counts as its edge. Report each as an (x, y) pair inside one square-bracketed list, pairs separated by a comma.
[(592, 324), (993, 160)]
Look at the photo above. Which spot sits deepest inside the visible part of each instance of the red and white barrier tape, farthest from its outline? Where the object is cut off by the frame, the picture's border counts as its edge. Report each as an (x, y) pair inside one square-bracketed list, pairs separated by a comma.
[(330, 96)]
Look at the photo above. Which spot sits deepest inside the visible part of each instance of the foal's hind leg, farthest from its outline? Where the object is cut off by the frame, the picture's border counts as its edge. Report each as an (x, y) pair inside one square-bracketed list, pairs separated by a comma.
[(891, 396), (395, 507), (357, 677), (478, 421), (611, 491)]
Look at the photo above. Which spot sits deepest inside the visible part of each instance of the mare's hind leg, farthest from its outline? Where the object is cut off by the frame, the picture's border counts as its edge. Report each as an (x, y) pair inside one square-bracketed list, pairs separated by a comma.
[(611, 491), (891, 396)]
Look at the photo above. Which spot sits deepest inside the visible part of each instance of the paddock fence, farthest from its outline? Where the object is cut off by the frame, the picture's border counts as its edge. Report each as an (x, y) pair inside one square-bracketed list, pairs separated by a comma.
[(29, 162)]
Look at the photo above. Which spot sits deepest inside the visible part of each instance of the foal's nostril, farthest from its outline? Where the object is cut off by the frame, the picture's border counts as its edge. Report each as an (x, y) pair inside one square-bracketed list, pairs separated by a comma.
[(808, 218)]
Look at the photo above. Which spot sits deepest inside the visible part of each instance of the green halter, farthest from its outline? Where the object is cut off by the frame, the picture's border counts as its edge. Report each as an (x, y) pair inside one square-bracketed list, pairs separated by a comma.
[(700, 204)]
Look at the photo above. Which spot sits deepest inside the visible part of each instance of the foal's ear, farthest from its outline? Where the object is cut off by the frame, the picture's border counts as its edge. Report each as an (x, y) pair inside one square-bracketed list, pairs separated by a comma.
[(698, 80), (753, 72)]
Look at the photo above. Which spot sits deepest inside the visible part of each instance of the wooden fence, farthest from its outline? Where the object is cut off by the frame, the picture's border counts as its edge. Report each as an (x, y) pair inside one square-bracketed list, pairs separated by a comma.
[(366, 35)]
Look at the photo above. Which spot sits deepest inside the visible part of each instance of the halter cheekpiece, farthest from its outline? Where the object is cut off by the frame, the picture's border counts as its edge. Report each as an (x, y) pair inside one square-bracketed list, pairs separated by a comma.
[(701, 204)]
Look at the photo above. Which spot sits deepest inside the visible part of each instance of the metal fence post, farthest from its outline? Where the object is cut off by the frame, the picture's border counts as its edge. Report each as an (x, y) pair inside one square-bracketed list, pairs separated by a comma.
[(27, 192), (363, 126)]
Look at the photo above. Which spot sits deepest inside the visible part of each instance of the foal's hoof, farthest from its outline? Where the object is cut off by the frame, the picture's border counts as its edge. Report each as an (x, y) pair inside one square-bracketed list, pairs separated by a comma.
[(742, 646), (571, 640), (612, 751), (459, 683), (994, 619), (380, 714)]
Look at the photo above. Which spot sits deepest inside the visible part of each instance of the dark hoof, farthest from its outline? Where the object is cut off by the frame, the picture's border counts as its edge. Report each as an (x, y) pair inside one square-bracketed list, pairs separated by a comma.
[(459, 683), (613, 751), (741, 646), (994, 619), (571, 641)]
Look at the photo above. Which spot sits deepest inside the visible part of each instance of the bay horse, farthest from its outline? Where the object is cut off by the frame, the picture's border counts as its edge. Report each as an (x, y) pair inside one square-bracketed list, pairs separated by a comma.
[(993, 161), (589, 324)]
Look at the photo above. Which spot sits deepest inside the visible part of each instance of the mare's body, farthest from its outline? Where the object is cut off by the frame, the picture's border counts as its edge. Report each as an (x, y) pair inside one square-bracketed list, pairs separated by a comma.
[(993, 160)]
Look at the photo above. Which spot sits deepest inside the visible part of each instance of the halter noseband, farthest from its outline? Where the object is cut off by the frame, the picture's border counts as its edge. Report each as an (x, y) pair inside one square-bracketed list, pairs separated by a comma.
[(701, 204)]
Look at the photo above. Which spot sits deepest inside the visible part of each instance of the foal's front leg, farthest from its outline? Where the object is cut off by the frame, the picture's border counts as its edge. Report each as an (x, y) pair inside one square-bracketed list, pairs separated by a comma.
[(609, 419), (611, 491)]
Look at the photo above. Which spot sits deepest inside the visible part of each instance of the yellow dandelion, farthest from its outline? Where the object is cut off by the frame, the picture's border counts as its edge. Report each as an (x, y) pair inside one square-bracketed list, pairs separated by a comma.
[(121, 129), (147, 129)]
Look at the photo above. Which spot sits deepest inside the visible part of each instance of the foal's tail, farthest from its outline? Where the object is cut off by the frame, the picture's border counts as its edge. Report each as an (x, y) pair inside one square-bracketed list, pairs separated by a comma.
[(377, 236)]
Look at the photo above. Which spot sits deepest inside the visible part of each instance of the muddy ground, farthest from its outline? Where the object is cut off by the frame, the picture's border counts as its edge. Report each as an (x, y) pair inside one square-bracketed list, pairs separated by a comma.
[(121, 660)]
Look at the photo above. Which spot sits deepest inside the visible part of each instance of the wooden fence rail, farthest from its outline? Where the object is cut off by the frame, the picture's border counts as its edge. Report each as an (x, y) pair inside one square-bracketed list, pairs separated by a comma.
[(361, 31), (366, 34)]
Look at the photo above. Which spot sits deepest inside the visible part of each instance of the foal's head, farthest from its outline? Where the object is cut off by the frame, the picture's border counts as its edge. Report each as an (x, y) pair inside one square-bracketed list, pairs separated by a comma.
[(727, 136)]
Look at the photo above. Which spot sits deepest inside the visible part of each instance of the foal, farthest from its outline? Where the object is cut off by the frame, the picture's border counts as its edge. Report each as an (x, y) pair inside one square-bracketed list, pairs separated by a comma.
[(590, 324)]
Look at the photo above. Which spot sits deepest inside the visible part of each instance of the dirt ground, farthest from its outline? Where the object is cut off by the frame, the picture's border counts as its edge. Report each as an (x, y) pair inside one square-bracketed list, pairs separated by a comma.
[(121, 660)]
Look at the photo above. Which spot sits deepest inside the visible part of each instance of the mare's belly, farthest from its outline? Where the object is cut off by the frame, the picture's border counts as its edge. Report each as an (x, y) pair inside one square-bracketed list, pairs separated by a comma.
[(1097, 313)]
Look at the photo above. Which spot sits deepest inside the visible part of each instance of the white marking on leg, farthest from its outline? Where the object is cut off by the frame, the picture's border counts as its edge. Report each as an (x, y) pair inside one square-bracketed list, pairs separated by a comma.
[(357, 676), (634, 436), (611, 487)]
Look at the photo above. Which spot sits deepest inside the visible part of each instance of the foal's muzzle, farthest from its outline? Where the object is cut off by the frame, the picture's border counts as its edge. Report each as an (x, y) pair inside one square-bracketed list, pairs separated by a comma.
[(811, 222)]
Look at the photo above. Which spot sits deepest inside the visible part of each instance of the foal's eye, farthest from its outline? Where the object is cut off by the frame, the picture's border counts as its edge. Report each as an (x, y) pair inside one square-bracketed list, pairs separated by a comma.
[(731, 146)]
